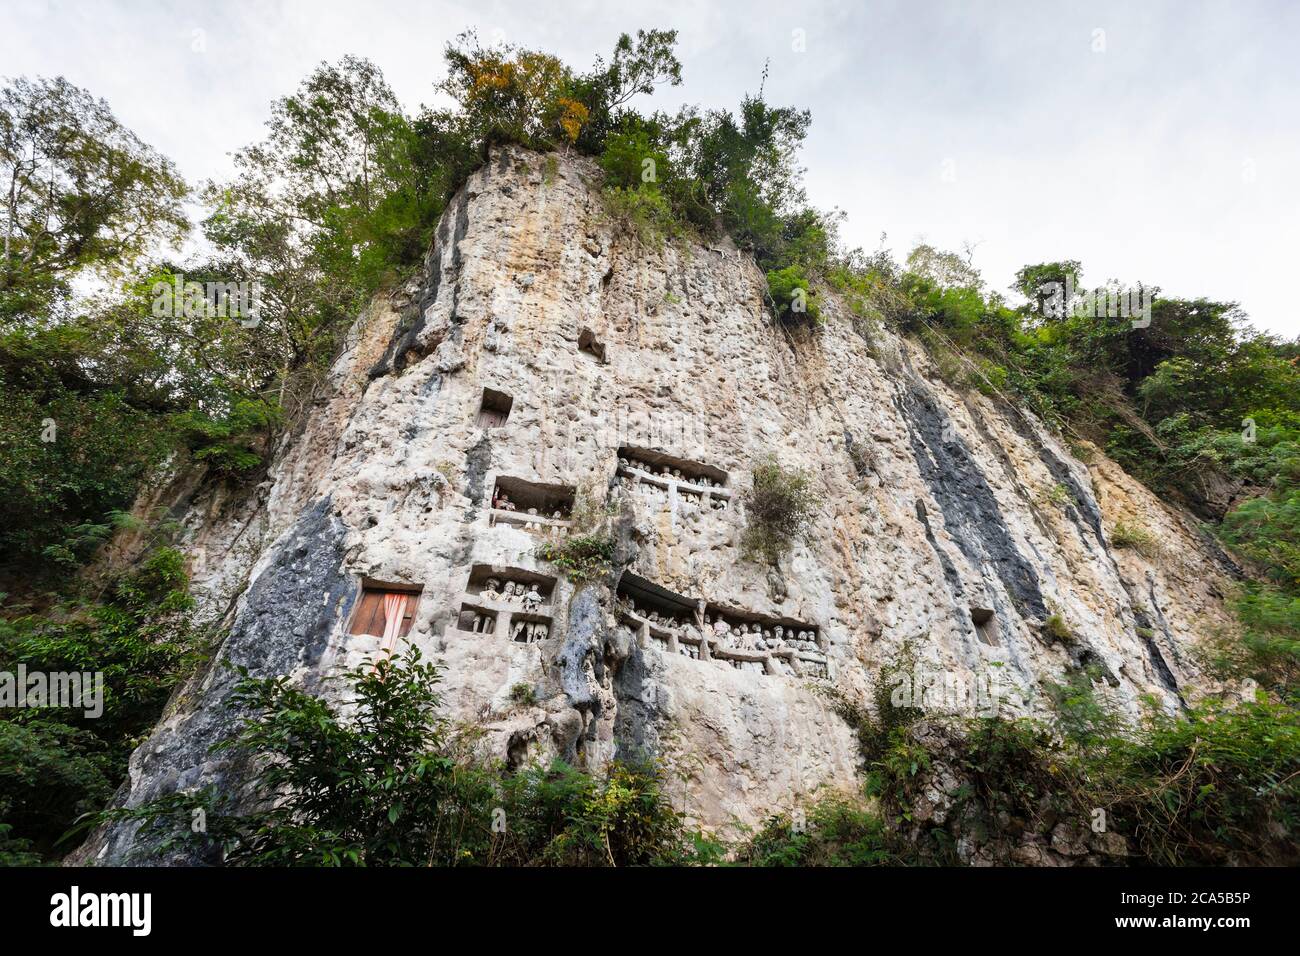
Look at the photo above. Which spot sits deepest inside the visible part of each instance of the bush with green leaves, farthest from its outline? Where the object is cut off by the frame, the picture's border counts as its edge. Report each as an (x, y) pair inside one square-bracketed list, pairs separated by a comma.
[(780, 508), (836, 829), (395, 783), (59, 763), (1215, 784), (1136, 538), (645, 212), (582, 557), (793, 297)]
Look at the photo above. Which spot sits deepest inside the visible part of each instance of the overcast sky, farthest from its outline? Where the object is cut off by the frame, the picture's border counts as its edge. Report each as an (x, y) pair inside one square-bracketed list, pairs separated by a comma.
[(1154, 142)]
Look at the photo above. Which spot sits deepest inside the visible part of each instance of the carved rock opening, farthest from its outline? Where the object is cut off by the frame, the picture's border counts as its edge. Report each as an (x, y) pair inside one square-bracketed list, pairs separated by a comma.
[(533, 506), (986, 625), (662, 476), (590, 345), (740, 639), (494, 409), (509, 601)]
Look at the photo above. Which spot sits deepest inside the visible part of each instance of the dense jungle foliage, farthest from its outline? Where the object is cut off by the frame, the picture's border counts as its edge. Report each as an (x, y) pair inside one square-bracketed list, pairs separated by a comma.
[(103, 393)]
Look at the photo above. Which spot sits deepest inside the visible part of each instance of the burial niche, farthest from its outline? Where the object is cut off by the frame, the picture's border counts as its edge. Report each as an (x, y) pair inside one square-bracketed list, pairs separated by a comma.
[(588, 344), (385, 611), (773, 645), (507, 601), (986, 625), (660, 618), (675, 624), (538, 508), (494, 408), (662, 477)]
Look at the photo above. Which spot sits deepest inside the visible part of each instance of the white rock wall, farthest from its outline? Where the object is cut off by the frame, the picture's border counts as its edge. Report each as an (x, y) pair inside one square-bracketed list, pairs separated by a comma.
[(963, 502)]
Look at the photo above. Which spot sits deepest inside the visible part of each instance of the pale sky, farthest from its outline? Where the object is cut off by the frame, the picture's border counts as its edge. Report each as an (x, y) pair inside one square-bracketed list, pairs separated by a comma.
[(1153, 141)]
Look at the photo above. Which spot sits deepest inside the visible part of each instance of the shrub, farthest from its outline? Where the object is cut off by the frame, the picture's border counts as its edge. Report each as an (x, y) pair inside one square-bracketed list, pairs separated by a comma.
[(1267, 645), (644, 212), (780, 509), (835, 830), (1212, 785), (581, 557), (1055, 629), (793, 297), (624, 161), (61, 764), (560, 816), (395, 784), (1136, 538)]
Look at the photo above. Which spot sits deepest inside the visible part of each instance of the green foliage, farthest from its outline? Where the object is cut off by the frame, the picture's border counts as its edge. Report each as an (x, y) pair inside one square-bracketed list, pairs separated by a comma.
[(1213, 785), (792, 294), (1055, 629), (1135, 537), (1267, 647), (780, 509), (395, 784), (229, 445), (582, 557), (835, 830), (1216, 786), (523, 694), (631, 156), (141, 638), (81, 192), (560, 816), (644, 212), (53, 491)]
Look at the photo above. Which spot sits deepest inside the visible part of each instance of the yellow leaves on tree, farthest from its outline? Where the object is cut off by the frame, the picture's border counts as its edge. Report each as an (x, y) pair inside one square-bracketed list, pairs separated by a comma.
[(520, 92), (573, 115)]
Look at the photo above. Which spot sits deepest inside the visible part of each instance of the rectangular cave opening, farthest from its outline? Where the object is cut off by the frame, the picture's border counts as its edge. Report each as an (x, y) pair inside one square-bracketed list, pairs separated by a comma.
[(520, 497), (509, 601), (494, 408), (986, 625), (651, 602), (476, 620), (510, 586), (591, 346), (738, 628), (382, 605), (671, 468)]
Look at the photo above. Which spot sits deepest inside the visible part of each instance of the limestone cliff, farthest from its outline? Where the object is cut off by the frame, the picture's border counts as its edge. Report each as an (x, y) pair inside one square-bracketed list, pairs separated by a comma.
[(541, 345)]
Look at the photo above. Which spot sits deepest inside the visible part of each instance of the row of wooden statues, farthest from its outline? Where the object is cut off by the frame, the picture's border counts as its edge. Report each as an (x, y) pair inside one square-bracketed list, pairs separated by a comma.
[(741, 636), (674, 474), (501, 502), (512, 592), (654, 491), (754, 637)]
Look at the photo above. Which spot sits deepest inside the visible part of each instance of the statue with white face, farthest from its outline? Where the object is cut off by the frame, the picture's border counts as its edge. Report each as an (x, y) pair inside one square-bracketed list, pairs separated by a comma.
[(533, 599)]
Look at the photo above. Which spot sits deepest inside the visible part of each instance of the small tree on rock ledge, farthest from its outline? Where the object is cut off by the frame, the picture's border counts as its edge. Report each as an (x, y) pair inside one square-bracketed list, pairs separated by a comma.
[(780, 510)]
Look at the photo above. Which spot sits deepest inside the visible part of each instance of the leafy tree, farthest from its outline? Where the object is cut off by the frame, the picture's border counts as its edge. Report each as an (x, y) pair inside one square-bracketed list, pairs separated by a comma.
[(793, 295), (780, 509), (141, 637), (80, 192), (396, 784)]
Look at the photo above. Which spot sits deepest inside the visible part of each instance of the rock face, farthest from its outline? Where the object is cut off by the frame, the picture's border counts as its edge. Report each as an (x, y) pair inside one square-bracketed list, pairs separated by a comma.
[(540, 345)]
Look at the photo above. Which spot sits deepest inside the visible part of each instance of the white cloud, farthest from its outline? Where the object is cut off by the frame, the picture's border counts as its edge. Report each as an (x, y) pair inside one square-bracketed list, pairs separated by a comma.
[(1168, 158)]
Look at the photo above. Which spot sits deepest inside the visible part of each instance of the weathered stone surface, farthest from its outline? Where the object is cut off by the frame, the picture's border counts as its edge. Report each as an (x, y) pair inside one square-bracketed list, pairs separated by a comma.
[(934, 503)]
